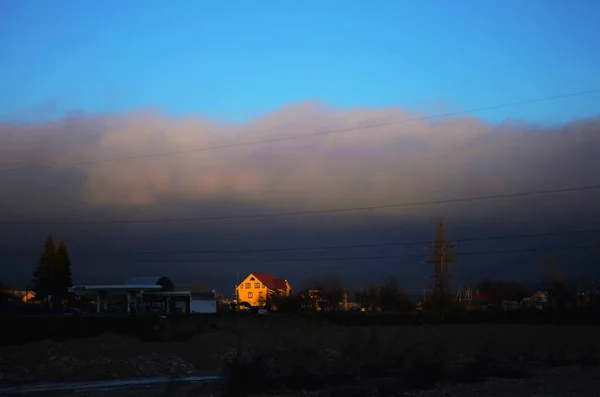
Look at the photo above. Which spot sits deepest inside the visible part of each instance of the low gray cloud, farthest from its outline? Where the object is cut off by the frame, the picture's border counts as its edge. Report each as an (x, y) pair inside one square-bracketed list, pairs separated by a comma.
[(403, 162)]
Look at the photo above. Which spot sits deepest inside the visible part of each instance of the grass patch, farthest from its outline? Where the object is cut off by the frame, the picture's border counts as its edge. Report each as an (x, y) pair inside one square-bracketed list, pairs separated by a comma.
[(559, 358), (305, 352), (426, 372), (303, 379), (588, 358), (509, 370), (485, 364), (247, 375)]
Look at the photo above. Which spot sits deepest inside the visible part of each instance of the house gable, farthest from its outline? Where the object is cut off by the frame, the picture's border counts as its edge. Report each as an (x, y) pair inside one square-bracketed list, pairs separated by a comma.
[(252, 291), (257, 286)]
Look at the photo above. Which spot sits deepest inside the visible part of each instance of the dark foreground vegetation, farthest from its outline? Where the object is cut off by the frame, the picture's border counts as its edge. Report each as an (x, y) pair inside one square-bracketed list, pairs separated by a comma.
[(25, 329), (22, 329), (309, 351)]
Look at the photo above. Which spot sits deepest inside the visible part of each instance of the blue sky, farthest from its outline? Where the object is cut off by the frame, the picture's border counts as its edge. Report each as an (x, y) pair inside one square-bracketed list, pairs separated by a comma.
[(238, 59)]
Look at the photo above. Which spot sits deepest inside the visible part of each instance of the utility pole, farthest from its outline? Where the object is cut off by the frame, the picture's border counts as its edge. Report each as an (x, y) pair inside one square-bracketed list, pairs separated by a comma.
[(441, 255), (579, 303), (345, 300), (236, 294)]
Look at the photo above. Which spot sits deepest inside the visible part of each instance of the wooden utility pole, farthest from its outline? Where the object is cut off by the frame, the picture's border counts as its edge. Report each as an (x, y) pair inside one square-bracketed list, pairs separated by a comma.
[(442, 253)]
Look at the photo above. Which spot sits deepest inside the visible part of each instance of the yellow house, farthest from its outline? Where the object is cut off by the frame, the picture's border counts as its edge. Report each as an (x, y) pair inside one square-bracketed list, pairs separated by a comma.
[(258, 286)]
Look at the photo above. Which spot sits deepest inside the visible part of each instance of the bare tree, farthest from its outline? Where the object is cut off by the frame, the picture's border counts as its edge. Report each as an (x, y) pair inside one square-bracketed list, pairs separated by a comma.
[(558, 293)]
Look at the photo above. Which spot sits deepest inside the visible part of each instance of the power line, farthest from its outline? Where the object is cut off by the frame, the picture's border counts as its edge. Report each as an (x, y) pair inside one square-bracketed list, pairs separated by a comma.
[(381, 245), (553, 249), (509, 251), (320, 133), (328, 247), (308, 212)]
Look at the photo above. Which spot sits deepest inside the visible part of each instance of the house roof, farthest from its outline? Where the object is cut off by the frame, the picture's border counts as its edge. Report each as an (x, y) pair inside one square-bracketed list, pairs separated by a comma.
[(270, 280), (203, 296), (487, 296), (164, 282)]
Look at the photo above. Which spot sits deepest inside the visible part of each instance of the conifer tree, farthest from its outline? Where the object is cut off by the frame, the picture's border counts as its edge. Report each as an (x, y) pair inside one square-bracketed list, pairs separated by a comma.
[(43, 275), (62, 277), (52, 277)]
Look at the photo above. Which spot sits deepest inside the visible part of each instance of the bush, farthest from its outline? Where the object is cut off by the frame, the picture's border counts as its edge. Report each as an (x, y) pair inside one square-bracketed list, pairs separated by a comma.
[(26, 329), (426, 372), (588, 358), (249, 374), (559, 358)]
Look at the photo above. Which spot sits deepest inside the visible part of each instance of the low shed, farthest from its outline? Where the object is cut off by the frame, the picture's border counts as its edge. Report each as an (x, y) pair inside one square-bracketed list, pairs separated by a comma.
[(203, 302)]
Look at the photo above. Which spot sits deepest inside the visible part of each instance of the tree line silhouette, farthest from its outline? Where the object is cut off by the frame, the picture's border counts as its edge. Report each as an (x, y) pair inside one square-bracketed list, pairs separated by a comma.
[(388, 296)]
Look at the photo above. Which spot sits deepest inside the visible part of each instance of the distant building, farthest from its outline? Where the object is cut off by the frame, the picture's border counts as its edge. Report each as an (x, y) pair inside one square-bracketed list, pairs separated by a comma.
[(510, 305), (24, 295), (259, 287), (538, 301), (145, 295), (203, 302), (313, 299)]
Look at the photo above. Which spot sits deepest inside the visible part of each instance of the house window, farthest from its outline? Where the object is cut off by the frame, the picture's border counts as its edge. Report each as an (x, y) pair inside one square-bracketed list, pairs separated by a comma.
[(250, 295), (261, 294), (247, 285), (257, 285), (242, 286)]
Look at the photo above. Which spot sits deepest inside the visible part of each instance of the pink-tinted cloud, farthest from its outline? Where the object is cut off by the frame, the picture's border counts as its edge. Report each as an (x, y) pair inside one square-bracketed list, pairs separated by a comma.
[(412, 161)]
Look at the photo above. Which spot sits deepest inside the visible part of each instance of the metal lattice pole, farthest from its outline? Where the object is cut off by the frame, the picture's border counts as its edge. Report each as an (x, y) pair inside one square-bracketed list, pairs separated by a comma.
[(442, 254)]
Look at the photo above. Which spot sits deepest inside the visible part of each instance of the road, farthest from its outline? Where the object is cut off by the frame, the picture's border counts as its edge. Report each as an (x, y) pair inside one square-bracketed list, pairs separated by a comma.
[(105, 385)]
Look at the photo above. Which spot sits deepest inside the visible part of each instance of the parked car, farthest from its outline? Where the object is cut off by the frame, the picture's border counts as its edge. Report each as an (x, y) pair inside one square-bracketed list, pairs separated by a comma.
[(72, 312), (261, 311)]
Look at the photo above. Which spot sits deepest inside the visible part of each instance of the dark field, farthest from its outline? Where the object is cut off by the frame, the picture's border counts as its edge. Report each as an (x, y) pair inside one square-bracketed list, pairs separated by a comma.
[(289, 352)]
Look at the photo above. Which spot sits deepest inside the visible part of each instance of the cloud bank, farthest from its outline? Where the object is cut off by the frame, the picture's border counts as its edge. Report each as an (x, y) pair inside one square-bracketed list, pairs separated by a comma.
[(403, 162), (411, 161)]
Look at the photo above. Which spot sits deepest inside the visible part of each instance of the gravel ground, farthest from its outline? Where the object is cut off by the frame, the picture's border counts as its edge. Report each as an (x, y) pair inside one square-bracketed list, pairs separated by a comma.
[(53, 361), (558, 382), (561, 382), (207, 390), (290, 342)]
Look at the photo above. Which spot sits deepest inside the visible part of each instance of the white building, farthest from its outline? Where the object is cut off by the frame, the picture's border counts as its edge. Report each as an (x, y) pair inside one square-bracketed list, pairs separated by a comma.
[(203, 302), (144, 294)]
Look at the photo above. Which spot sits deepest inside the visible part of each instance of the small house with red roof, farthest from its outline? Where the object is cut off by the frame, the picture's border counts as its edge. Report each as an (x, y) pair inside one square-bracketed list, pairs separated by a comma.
[(256, 289)]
